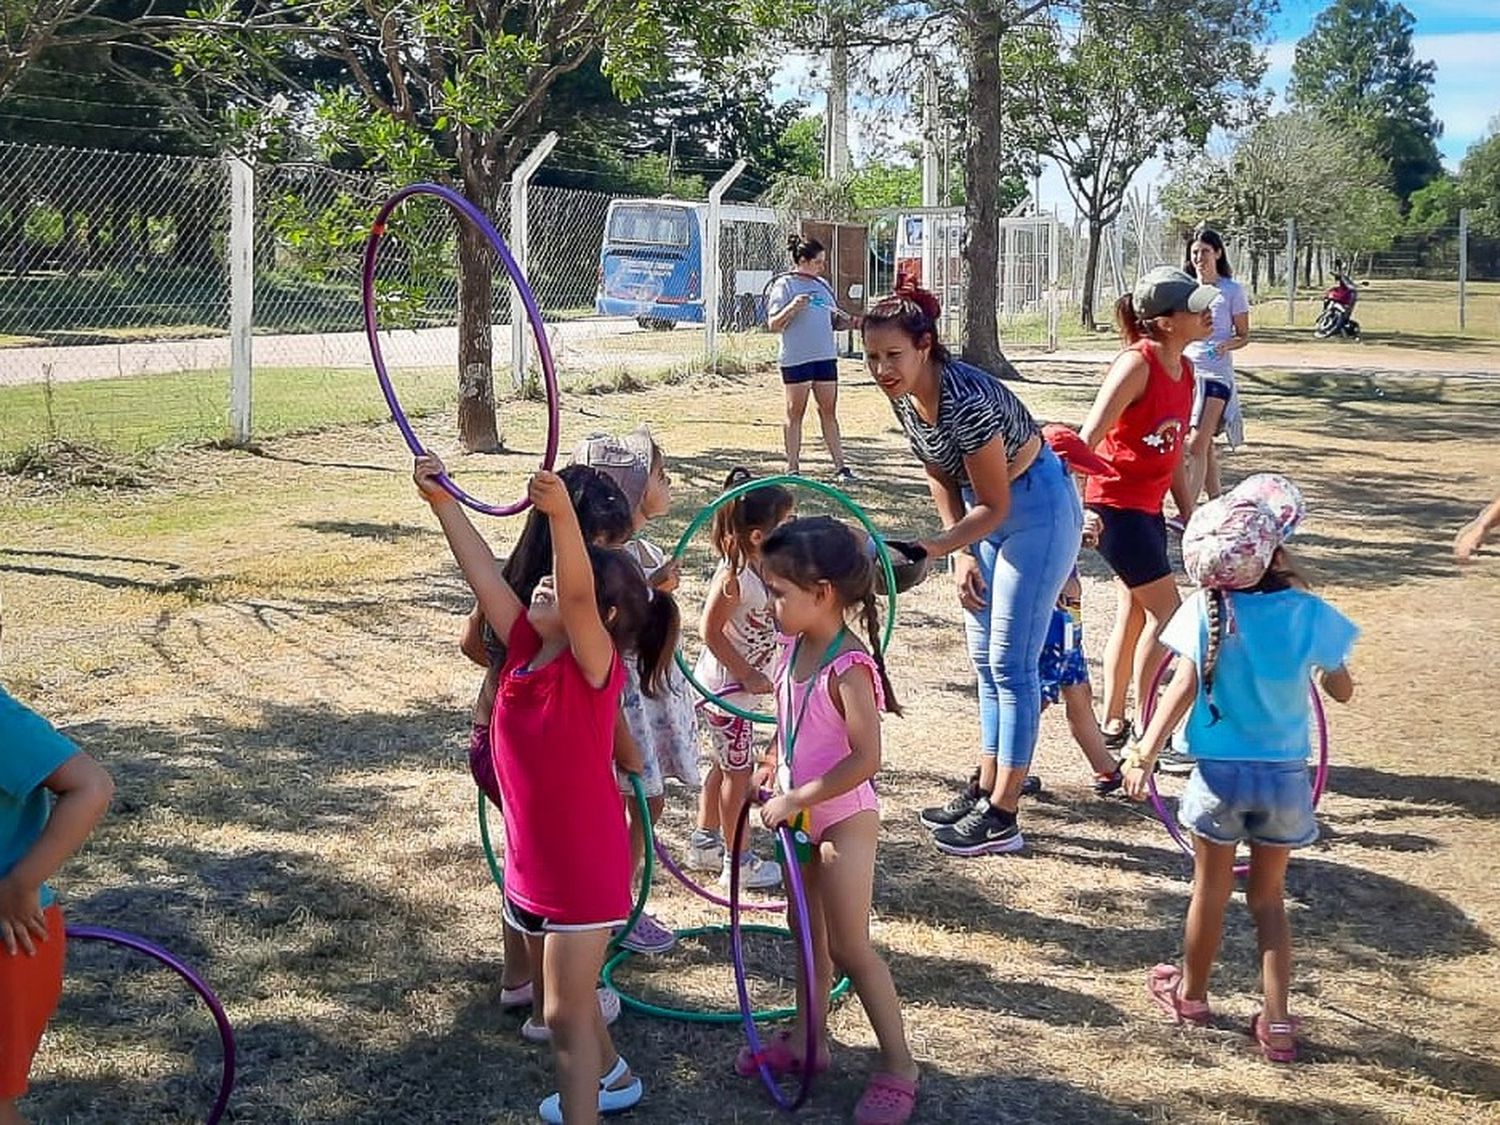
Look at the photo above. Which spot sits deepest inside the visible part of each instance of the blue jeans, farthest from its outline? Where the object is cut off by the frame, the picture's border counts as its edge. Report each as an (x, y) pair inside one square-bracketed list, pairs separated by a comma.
[(1024, 565)]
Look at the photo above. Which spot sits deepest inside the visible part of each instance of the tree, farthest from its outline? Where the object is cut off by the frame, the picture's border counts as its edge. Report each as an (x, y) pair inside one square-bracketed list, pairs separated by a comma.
[(1434, 207), (1479, 182), (1293, 166), (1358, 68), (455, 91), (1126, 84), (30, 28)]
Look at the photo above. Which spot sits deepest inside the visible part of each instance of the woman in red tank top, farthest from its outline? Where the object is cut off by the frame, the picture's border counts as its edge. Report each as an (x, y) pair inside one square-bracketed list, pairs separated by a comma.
[(1139, 421)]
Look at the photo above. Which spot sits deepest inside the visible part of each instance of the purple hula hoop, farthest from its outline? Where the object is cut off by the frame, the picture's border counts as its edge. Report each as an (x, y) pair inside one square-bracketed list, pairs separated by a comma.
[(797, 895), (703, 892), (1320, 775), (151, 949), (533, 314)]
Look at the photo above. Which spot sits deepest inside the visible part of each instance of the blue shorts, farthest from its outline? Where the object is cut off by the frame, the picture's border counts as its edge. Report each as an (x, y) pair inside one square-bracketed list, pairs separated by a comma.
[(1228, 801), (1062, 663)]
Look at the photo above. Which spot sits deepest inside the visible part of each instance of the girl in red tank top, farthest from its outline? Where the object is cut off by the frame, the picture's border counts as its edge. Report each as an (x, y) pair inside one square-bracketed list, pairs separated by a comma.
[(1145, 444), (1139, 422), (567, 848)]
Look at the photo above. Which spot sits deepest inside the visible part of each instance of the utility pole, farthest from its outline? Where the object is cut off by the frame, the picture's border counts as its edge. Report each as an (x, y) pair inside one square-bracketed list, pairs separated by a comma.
[(671, 155)]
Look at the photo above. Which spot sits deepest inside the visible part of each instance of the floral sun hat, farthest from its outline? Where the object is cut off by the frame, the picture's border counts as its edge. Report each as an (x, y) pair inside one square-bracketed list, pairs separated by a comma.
[(1228, 543), (1277, 493), (616, 460)]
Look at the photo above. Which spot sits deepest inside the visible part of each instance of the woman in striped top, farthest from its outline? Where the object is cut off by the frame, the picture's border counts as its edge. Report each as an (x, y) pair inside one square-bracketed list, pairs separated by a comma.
[(1011, 525)]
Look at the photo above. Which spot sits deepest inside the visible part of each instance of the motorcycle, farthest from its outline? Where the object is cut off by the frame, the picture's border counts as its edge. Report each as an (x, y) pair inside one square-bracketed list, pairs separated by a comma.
[(1337, 316)]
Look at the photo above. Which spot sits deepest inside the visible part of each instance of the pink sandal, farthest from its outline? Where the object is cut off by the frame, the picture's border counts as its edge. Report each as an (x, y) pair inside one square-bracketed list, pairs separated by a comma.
[(1165, 985), (778, 1056), (888, 1100), (1264, 1029)]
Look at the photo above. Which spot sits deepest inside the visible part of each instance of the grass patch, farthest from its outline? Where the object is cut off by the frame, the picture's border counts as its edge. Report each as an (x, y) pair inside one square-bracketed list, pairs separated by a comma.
[(1400, 311)]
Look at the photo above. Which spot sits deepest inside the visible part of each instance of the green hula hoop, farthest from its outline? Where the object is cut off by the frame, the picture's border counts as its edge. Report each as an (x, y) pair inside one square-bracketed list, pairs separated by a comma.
[(639, 791), (688, 1015), (706, 513)]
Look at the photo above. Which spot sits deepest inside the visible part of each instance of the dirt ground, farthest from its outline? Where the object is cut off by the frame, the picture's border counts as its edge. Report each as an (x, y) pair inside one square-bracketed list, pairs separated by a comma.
[(262, 647)]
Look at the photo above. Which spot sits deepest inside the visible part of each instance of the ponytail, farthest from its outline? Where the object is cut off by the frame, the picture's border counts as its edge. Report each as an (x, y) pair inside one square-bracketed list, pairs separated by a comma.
[(760, 509), (1132, 326), (656, 645), (870, 610)]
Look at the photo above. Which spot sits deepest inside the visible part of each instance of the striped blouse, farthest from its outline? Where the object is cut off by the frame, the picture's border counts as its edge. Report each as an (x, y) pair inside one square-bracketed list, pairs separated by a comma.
[(973, 408)]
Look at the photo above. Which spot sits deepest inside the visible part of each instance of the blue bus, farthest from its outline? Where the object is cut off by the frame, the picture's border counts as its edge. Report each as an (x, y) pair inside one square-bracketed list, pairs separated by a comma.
[(651, 262)]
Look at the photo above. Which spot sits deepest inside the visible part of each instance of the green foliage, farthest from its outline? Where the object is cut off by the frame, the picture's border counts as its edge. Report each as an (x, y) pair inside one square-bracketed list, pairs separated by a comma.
[(802, 142), (1358, 68), (878, 185), (1433, 207), (1479, 183), (1293, 166)]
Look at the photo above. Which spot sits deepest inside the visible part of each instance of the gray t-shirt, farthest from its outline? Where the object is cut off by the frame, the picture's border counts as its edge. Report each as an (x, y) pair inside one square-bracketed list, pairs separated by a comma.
[(808, 336)]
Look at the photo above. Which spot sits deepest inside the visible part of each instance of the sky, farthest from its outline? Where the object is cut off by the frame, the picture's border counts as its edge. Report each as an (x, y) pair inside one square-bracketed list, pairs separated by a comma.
[(1462, 37)]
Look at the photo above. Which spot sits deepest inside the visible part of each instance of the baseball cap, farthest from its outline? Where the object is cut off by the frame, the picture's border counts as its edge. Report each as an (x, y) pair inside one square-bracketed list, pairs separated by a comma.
[(640, 442), (1228, 543), (609, 455), (1167, 290), (1071, 451)]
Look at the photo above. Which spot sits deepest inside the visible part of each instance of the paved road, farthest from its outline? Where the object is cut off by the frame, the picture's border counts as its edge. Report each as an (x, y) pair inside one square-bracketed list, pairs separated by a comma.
[(428, 347)]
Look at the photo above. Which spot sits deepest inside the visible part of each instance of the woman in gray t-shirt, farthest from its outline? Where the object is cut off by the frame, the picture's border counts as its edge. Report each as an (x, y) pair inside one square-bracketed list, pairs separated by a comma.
[(802, 309)]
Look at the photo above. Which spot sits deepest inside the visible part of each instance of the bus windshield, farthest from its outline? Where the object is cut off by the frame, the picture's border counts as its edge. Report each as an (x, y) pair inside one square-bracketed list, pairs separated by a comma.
[(652, 224)]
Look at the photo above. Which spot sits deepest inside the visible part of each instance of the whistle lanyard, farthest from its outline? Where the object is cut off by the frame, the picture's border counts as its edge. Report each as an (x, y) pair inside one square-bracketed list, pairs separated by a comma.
[(789, 734)]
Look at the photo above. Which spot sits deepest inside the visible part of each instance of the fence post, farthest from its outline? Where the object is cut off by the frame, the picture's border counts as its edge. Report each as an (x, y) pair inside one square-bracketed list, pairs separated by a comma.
[(711, 264), (1054, 234), (1291, 271), (520, 250), (1463, 268), (241, 295)]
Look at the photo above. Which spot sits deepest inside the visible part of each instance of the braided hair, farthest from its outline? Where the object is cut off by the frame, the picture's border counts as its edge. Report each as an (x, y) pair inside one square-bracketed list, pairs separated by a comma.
[(1282, 574)]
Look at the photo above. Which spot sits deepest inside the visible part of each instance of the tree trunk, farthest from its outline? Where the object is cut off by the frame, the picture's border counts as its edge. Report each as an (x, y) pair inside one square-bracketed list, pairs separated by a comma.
[(836, 120), (1090, 275), (478, 429), (982, 168)]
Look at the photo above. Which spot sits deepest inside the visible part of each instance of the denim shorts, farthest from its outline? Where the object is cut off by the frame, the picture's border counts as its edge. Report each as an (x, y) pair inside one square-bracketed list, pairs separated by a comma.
[(1063, 663), (1228, 801)]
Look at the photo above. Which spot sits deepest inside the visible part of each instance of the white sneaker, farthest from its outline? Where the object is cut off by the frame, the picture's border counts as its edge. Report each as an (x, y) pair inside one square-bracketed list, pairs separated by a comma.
[(756, 874), (705, 851)]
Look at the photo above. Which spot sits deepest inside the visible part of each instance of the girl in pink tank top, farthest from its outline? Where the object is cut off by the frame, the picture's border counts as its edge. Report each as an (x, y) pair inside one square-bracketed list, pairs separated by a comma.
[(552, 737), (830, 691)]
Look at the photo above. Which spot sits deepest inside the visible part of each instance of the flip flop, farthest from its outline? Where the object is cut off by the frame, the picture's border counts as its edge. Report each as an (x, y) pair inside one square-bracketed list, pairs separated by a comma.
[(1165, 985), (888, 1100)]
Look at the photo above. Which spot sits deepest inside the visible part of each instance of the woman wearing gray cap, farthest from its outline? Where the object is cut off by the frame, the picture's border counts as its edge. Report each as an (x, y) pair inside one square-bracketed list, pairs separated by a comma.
[(1139, 423)]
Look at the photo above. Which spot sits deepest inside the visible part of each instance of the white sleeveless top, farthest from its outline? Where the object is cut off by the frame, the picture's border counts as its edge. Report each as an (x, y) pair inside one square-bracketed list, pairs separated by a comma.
[(751, 629)]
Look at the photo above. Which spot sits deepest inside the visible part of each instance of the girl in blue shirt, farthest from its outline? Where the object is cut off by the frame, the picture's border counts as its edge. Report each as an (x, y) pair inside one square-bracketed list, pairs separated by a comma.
[(1248, 641)]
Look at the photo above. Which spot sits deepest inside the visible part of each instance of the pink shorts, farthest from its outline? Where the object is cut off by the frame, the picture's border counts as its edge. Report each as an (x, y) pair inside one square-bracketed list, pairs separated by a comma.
[(835, 810)]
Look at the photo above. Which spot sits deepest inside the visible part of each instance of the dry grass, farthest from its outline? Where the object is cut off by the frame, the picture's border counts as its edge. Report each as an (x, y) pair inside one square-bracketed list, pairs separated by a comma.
[(262, 649)]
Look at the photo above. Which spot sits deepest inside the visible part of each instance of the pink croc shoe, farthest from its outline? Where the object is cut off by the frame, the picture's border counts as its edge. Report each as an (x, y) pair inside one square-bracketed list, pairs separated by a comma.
[(1266, 1032), (1165, 985), (888, 1100), (779, 1058)]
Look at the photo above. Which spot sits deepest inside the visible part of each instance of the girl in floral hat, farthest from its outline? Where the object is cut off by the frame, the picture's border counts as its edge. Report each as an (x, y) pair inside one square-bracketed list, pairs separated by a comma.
[(1247, 642)]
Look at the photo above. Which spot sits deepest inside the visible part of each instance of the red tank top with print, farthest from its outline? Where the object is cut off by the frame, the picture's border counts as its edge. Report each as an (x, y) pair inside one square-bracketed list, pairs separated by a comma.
[(1146, 442)]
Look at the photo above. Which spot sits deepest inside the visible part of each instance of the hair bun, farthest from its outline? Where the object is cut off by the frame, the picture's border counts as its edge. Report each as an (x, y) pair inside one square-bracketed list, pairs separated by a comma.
[(927, 302)]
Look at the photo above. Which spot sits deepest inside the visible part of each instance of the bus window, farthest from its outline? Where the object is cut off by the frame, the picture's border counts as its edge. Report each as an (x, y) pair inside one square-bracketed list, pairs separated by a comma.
[(650, 224)]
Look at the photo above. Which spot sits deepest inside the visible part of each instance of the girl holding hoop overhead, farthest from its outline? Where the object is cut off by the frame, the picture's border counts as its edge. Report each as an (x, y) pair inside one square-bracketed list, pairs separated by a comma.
[(605, 520), (1139, 422), (1011, 524), (830, 691), (1248, 639), (1216, 402), (553, 738), (739, 653), (803, 310)]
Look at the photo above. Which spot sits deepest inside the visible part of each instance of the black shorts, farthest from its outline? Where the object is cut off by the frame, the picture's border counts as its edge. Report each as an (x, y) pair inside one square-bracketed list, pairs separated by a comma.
[(535, 925), (1212, 388), (818, 371), (1134, 544)]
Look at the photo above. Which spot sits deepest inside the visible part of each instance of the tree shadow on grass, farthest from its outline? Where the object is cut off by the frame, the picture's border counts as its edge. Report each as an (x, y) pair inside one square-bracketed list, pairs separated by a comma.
[(1416, 794)]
